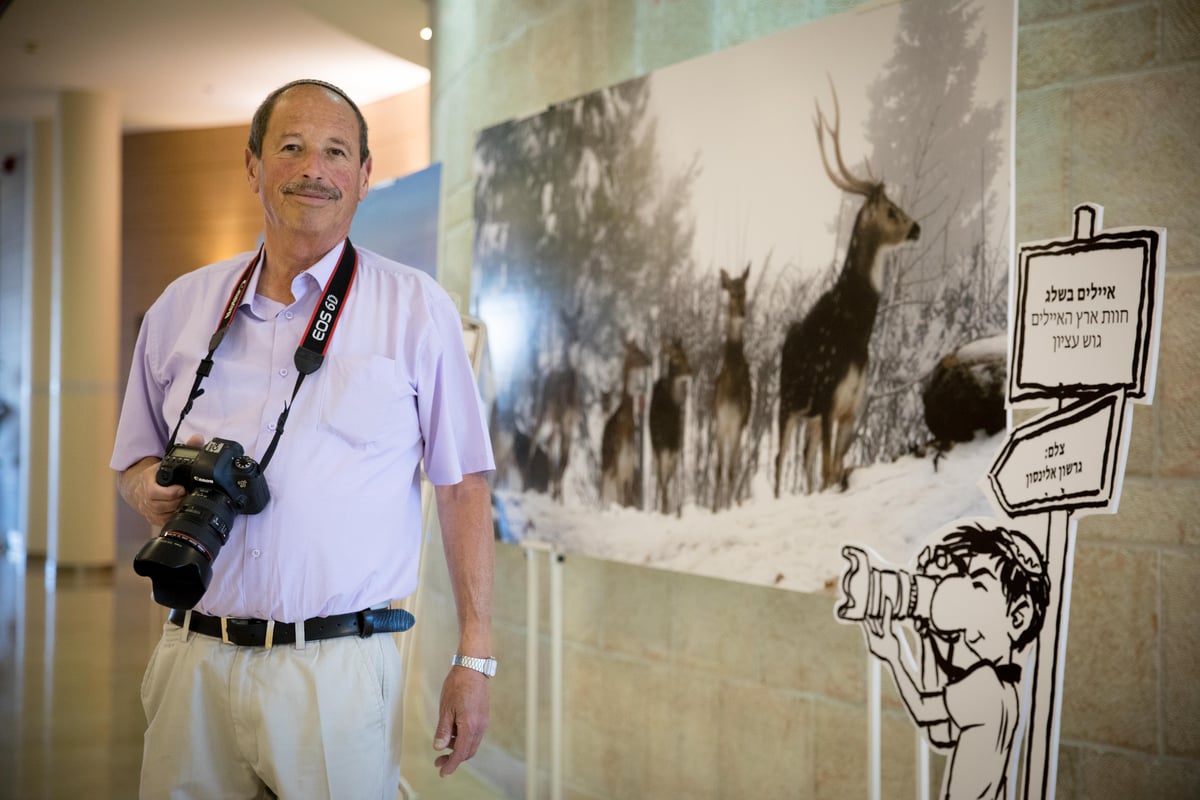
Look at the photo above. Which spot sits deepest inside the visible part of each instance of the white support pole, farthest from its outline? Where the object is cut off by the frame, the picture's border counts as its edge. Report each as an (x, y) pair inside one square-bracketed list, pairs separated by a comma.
[(874, 759), (922, 768), (1041, 756), (556, 675), (532, 608), (531, 674)]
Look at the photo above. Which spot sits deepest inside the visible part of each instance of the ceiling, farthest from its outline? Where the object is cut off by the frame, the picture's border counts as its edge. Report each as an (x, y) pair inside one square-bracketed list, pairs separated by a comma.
[(203, 63)]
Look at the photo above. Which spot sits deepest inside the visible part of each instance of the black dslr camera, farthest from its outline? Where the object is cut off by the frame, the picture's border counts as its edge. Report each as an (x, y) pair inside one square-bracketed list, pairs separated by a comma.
[(222, 481)]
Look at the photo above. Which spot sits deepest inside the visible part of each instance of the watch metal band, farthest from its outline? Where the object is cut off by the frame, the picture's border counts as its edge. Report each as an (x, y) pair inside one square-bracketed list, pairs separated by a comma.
[(485, 665)]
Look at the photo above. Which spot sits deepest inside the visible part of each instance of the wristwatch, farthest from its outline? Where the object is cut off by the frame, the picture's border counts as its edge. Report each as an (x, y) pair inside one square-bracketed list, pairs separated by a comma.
[(485, 665)]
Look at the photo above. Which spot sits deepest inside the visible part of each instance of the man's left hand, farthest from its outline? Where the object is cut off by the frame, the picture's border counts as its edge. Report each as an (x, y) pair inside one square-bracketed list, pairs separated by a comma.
[(462, 718)]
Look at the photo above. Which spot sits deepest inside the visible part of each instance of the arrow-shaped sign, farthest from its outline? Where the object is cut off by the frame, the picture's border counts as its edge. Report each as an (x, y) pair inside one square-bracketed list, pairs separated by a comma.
[(1065, 459)]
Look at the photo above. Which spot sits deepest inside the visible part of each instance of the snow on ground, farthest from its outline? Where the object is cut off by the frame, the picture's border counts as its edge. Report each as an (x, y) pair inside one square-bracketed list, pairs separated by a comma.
[(794, 542)]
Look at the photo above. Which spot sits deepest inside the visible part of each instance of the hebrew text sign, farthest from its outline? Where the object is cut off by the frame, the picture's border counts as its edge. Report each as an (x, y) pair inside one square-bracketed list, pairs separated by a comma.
[(1063, 459), (1083, 315)]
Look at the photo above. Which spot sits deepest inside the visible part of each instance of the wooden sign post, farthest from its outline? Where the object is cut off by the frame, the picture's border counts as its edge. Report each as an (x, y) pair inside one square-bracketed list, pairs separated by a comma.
[(1085, 338), (986, 602)]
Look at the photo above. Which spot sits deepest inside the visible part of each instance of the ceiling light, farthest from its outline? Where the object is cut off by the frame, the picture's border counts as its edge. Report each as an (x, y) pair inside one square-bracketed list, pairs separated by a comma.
[(427, 33)]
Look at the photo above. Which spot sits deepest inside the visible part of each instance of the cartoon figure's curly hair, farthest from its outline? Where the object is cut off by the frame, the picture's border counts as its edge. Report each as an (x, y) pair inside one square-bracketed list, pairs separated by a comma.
[(1022, 569)]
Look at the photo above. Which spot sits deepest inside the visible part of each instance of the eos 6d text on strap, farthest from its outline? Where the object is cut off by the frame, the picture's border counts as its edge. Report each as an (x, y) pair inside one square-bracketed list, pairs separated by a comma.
[(311, 352)]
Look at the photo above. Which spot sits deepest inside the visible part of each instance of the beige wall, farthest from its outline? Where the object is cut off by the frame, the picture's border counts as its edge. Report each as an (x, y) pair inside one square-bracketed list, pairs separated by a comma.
[(680, 686)]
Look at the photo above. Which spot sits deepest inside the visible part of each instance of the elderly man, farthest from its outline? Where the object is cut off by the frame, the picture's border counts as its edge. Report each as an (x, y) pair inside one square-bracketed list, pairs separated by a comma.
[(274, 675)]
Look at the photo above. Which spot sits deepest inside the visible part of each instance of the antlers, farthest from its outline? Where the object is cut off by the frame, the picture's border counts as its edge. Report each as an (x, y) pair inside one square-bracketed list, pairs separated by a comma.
[(844, 179)]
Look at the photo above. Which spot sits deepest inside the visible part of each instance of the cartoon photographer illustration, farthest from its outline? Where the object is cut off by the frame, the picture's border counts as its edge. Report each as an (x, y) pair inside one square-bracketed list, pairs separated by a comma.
[(975, 602)]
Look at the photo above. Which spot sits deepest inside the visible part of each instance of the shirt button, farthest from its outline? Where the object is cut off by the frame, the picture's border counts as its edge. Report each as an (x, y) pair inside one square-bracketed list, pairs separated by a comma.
[(256, 552), (283, 372), (270, 426), (288, 314)]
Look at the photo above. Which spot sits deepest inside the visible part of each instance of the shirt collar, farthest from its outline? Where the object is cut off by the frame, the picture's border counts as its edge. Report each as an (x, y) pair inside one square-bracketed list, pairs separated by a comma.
[(319, 273)]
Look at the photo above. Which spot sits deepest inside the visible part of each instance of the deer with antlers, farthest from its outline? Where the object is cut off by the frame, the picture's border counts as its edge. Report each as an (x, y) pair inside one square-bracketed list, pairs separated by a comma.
[(823, 366), (668, 399), (733, 393), (558, 415), (618, 452)]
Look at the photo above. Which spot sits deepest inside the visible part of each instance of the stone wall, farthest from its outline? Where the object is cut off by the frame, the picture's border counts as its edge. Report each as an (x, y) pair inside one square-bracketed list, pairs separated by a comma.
[(678, 686)]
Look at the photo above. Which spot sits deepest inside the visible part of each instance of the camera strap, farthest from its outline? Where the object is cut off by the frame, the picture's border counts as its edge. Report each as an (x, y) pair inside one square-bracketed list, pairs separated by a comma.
[(311, 352)]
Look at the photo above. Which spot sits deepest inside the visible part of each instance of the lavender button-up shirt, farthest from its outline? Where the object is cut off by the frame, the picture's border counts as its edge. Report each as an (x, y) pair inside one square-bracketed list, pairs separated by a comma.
[(342, 530)]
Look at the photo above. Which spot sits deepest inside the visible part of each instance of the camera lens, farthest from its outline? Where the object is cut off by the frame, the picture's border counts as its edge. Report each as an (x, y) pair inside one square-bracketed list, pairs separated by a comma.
[(179, 560)]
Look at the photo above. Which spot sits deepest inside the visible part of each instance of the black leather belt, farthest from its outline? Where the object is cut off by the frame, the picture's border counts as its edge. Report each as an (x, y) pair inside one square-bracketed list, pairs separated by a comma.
[(254, 632)]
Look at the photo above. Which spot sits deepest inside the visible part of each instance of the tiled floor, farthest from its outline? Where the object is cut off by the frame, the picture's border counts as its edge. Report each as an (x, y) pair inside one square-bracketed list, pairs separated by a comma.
[(72, 653)]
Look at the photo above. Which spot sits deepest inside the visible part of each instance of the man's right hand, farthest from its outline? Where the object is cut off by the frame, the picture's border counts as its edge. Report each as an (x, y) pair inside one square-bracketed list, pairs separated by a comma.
[(143, 494)]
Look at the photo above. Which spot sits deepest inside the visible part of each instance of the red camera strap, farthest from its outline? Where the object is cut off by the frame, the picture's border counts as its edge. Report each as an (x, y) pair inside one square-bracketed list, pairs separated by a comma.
[(311, 352)]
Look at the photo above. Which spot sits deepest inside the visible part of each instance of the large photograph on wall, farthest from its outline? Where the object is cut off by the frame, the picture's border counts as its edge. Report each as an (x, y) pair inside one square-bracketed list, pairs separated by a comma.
[(753, 305), (399, 219)]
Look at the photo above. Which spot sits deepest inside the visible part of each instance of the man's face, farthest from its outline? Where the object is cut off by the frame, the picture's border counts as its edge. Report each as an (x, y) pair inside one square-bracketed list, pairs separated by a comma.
[(972, 603), (310, 179)]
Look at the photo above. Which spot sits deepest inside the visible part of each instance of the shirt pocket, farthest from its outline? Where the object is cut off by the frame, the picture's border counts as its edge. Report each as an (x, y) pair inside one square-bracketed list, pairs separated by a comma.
[(365, 401)]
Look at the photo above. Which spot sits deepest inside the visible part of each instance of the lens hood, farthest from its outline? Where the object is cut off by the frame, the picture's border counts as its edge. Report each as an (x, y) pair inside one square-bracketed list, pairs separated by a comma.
[(179, 572)]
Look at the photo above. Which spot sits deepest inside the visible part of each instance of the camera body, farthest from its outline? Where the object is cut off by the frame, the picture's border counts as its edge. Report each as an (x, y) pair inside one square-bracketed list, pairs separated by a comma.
[(222, 481), (220, 464)]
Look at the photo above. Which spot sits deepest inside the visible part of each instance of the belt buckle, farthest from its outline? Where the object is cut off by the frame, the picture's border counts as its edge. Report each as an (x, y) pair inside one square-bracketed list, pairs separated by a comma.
[(239, 631)]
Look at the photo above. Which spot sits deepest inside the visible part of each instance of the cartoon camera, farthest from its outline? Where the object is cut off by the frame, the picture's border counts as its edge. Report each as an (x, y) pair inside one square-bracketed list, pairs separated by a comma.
[(866, 587)]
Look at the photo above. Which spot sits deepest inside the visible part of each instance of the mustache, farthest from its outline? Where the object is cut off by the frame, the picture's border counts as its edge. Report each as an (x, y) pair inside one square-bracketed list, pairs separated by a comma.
[(312, 187)]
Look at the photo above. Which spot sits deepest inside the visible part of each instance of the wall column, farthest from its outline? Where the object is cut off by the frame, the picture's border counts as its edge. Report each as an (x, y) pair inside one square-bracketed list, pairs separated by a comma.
[(85, 329), (36, 461)]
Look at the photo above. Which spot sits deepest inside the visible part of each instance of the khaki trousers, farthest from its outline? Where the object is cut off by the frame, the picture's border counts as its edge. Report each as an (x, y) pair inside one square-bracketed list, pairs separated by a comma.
[(225, 722)]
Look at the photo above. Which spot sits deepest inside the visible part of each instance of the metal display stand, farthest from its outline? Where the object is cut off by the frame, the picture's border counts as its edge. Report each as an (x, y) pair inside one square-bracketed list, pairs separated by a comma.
[(532, 659)]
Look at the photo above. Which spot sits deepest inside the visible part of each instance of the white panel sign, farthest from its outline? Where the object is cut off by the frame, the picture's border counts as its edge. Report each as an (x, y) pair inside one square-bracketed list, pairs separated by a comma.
[(1085, 315), (1064, 459)]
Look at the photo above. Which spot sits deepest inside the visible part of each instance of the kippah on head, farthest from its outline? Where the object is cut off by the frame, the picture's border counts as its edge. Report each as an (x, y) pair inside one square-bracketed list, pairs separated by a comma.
[(314, 82), (262, 116)]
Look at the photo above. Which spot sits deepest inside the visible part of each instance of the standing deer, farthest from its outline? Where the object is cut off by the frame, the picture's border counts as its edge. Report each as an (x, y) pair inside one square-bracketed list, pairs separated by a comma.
[(732, 395), (823, 368), (668, 399), (558, 415), (618, 453)]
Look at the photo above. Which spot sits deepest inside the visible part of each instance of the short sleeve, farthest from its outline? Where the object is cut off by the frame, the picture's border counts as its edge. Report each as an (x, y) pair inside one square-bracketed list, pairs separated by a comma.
[(453, 420), (141, 431)]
